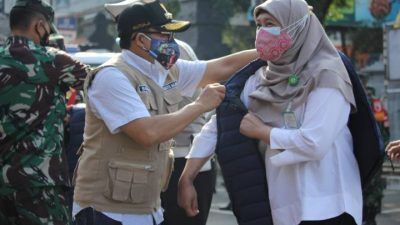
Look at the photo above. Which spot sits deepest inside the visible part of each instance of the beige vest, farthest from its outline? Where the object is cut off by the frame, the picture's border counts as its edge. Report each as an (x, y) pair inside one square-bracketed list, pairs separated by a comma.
[(115, 174)]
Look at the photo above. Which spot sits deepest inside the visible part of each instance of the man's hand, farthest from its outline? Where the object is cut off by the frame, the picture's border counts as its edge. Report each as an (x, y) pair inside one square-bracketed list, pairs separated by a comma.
[(393, 150), (211, 96), (252, 127), (187, 197)]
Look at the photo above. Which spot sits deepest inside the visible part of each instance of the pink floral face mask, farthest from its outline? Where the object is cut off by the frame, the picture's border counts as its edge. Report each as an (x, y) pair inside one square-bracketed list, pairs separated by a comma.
[(271, 43)]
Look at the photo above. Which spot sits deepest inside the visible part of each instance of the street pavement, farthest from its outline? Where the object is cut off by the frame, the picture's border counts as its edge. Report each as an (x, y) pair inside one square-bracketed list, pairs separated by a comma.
[(390, 214)]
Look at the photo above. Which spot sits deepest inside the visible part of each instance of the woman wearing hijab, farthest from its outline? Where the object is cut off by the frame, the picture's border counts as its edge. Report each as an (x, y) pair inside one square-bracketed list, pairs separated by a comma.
[(299, 106)]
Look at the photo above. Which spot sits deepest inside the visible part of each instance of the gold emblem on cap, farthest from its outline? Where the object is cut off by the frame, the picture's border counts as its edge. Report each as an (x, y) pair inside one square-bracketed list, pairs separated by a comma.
[(141, 25), (175, 26)]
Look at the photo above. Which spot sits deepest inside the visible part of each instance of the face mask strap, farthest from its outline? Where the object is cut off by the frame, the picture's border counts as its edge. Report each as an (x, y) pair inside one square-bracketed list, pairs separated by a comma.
[(149, 38), (44, 40), (296, 24)]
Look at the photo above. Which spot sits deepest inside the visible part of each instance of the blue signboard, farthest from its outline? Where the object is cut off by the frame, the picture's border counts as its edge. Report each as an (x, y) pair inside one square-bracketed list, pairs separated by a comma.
[(67, 23)]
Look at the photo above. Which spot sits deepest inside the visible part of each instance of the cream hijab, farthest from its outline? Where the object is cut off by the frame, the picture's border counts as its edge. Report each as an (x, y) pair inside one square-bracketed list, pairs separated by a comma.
[(312, 57)]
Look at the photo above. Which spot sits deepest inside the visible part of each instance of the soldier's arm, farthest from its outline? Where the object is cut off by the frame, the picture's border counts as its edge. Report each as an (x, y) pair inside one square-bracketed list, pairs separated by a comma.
[(71, 72)]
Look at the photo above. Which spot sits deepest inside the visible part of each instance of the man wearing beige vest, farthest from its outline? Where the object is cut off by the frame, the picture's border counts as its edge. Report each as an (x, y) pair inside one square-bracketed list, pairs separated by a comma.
[(132, 114)]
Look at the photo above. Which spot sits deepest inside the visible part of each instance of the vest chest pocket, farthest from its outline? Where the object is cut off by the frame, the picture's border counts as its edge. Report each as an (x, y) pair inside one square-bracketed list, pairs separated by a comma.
[(172, 99), (128, 182), (150, 102)]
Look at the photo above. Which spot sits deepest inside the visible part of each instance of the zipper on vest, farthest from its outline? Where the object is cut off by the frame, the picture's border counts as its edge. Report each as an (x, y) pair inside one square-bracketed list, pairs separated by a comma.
[(132, 165)]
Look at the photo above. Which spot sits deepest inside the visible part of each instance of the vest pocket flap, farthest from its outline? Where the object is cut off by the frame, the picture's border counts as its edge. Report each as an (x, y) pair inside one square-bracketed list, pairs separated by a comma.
[(123, 178), (124, 175), (140, 177), (172, 97), (121, 191)]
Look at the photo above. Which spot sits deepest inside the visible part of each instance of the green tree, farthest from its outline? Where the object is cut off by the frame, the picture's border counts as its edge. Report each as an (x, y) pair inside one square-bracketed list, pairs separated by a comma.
[(330, 8)]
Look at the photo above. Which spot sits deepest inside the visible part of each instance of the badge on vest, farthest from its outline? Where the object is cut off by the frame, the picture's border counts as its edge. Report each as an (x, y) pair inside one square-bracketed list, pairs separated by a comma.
[(170, 85), (143, 89)]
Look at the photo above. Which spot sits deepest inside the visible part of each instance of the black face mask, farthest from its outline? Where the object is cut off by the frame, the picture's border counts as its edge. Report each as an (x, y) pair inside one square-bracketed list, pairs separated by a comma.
[(44, 40)]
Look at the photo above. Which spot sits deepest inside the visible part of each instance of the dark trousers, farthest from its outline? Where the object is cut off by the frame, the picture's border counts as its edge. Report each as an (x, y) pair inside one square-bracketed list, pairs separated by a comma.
[(89, 216), (344, 219), (204, 184)]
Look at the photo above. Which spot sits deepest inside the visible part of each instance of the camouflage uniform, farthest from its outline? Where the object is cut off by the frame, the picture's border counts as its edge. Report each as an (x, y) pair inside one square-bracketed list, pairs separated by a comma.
[(34, 175)]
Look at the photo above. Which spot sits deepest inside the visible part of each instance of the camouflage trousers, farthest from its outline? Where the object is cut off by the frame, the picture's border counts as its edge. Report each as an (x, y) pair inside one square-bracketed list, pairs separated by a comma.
[(34, 206), (372, 199)]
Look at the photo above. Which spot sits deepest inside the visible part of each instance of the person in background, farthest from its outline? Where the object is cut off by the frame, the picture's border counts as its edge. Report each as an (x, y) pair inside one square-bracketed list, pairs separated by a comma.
[(74, 128), (205, 181), (393, 150), (373, 192), (299, 107), (132, 115), (33, 82)]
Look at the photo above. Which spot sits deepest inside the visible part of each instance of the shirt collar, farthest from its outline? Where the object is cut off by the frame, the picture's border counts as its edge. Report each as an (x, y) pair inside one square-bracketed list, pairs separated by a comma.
[(147, 68), (20, 40)]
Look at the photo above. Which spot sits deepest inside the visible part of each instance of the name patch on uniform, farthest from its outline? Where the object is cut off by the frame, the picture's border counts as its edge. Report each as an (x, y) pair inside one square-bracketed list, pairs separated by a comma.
[(170, 85), (143, 89)]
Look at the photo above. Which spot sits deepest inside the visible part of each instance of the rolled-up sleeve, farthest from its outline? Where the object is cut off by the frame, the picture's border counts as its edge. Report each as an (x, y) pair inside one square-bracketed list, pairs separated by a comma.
[(326, 115), (205, 142)]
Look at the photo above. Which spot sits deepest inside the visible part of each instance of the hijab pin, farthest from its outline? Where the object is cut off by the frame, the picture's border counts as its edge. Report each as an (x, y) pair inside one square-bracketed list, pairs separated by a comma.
[(293, 80)]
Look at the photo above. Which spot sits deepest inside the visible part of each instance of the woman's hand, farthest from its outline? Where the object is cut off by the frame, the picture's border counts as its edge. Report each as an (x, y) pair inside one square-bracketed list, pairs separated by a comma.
[(187, 197), (393, 150), (252, 127)]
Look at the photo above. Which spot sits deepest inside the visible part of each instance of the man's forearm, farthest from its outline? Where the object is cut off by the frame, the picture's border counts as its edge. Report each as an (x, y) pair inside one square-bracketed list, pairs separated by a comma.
[(156, 129), (222, 68)]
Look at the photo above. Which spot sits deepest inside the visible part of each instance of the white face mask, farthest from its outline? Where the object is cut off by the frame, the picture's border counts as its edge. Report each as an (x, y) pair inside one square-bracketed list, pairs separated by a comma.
[(272, 30), (292, 30)]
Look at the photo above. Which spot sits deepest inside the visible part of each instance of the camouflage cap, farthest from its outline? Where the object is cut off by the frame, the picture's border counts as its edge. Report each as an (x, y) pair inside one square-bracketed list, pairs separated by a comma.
[(39, 6)]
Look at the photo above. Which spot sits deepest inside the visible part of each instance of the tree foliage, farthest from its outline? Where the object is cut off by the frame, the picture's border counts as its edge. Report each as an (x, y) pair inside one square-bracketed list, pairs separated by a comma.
[(333, 8)]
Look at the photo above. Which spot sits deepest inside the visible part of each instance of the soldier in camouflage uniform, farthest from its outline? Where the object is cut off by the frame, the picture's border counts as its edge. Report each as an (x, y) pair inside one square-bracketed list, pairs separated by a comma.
[(33, 83)]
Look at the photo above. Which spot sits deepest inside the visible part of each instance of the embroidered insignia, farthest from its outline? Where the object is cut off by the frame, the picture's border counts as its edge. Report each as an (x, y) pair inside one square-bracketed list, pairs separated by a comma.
[(143, 89), (170, 85)]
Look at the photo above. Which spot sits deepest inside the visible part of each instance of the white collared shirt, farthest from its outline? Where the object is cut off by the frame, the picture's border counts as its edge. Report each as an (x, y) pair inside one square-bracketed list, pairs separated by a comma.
[(111, 86), (311, 171)]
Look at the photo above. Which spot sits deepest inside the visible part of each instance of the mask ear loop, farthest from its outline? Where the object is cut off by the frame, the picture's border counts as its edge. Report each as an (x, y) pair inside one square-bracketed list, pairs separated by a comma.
[(45, 36), (299, 24), (152, 53), (149, 38)]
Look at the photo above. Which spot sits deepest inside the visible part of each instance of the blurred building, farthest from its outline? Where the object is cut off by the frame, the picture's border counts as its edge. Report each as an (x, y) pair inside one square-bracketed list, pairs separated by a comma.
[(77, 21), (5, 6)]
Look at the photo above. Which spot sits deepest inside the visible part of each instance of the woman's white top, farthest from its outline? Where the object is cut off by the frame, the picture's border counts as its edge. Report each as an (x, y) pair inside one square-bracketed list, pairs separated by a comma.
[(312, 173)]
